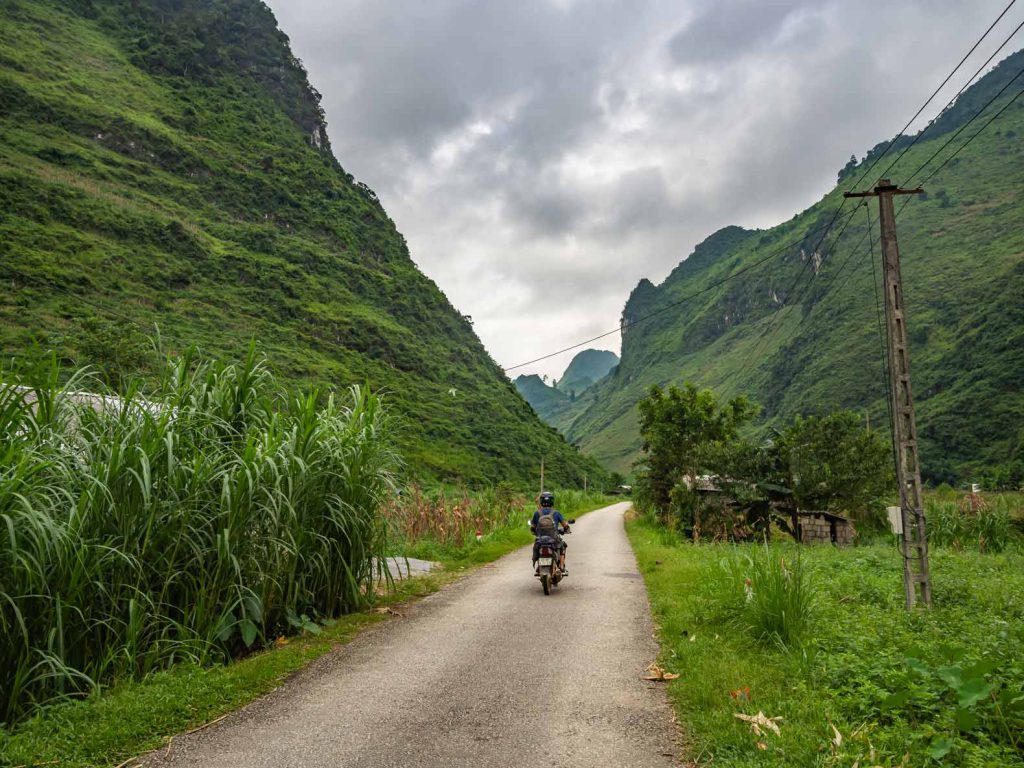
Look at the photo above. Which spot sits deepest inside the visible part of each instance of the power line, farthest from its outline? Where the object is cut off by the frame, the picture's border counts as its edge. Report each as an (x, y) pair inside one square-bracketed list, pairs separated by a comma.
[(758, 343), (751, 359), (973, 137), (962, 127), (678, 302), (966, 85), (928, 101)]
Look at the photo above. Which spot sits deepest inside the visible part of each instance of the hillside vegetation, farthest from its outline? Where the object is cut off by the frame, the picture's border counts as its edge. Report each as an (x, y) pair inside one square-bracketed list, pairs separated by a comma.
[(554, 402), (165, 164), (807, 345), (549, 403), (586, 369)]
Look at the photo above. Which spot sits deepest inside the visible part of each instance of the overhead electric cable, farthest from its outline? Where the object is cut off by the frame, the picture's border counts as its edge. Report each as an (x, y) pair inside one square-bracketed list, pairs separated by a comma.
[(928, 101), (963, 127), (973, 136), (970, 81), (758, 343)]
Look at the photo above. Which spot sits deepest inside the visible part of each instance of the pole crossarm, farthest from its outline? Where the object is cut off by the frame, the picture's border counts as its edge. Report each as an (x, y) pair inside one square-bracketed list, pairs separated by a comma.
[(888, 188)]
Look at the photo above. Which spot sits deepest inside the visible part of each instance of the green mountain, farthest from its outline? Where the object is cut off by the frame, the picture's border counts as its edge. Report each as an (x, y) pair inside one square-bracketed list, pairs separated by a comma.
[(800, 333), (547, 401), (166, 163), (586, 369), (555, 403)]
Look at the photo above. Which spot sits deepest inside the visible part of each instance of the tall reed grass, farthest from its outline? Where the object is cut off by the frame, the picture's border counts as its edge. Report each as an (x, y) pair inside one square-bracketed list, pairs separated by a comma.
[(193, 525), (451, 517), (974, 522)]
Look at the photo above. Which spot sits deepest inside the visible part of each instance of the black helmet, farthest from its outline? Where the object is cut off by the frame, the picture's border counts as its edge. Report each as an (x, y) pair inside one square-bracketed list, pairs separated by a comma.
[(547, 499)]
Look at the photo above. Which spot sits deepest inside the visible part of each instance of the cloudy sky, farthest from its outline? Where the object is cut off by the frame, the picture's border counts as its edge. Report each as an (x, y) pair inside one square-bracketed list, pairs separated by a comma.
[(541, 156)]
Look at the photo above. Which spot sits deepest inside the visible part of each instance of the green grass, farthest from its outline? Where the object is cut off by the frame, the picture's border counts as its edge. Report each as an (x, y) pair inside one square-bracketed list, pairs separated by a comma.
[(891, 682)]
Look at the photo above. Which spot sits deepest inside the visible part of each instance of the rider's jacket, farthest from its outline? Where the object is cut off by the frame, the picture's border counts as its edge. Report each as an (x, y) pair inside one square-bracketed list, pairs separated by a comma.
[(559, 520)]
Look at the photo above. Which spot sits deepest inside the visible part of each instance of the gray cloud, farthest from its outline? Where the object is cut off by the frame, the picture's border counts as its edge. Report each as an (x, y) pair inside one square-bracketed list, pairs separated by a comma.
[(543, 155)]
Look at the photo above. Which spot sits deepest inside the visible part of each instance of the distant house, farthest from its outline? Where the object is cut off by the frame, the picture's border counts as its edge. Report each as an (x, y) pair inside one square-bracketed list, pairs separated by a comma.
[(702, 483), (807, 527)]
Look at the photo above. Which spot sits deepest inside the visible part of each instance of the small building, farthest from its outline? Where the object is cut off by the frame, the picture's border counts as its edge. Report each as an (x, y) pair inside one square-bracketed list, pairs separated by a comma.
[(824, 528)]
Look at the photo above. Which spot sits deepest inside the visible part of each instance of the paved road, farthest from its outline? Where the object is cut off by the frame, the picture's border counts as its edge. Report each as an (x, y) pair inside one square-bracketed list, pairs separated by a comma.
[(488, 672)]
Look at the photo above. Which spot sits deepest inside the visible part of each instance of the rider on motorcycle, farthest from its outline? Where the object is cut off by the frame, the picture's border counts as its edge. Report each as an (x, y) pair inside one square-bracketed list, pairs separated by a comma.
[(557, 524)]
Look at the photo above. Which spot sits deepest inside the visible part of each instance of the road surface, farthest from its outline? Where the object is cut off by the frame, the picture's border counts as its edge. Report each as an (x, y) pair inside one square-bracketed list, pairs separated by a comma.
[(487, 672)]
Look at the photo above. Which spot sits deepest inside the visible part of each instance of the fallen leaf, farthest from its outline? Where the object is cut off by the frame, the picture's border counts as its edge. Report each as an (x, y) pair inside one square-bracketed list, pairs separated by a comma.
[(762, 745), (693, 638), (282, 640), (759, 721), (657, 674), (838, 739), (741, 694)]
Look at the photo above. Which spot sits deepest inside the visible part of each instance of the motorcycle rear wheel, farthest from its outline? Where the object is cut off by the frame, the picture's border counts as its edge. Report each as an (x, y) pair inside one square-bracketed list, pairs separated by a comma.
[(545, 582)]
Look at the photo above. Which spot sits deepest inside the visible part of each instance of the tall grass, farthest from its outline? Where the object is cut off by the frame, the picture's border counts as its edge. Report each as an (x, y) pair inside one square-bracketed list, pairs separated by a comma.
[(135, 535), (984, 524), (768, 597), (451, 517)]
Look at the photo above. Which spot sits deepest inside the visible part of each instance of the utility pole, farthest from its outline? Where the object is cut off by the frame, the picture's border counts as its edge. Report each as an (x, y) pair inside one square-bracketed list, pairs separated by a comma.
[(916, 574), (541, 475)]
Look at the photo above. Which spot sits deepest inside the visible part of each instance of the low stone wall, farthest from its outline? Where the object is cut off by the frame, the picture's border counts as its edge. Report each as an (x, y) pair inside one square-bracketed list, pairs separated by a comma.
[(818, 529)]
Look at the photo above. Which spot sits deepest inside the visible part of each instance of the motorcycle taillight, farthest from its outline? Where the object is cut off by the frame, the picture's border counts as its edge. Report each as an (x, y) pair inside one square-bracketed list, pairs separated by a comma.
[(545, 551)]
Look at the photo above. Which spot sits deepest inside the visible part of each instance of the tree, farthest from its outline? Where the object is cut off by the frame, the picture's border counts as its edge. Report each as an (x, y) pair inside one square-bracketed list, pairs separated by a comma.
[(685, 432), (833, 463), (847, 169)]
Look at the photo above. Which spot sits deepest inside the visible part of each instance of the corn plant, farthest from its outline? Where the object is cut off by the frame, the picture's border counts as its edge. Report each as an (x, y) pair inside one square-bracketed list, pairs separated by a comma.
[(973, 523), (192, 524), (452, 517)]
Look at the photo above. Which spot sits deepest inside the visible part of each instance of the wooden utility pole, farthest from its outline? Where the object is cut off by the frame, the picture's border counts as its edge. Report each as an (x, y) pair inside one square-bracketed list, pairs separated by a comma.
[(916, 575), (541, 476)]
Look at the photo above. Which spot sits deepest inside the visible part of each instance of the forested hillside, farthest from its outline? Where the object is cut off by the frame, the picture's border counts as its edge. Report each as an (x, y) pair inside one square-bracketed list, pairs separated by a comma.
[(547, 401), (802, 337), (586, 369), (165, 163)]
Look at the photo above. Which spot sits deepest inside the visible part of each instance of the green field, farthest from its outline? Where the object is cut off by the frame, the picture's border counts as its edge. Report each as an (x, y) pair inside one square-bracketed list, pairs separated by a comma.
[(865, 682)]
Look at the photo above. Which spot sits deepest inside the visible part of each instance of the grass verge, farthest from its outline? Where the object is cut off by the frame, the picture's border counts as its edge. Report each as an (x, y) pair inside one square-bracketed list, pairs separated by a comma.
[(870, 684), (135, 717)]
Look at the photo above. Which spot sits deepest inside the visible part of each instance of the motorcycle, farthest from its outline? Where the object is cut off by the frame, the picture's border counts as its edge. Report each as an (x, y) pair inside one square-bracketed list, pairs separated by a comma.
[(547, 566)]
